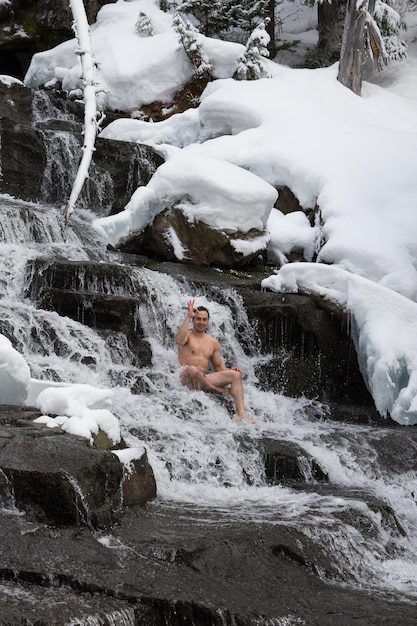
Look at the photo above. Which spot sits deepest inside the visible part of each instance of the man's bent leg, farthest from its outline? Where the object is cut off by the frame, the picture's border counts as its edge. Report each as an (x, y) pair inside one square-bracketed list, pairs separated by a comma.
[(223, 379), (192, 378)]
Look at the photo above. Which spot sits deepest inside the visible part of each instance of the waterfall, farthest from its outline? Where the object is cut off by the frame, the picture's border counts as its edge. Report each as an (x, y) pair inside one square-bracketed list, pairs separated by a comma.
[(201, 457), (124, 617), (61, 168), (45, 111), (7, 499)]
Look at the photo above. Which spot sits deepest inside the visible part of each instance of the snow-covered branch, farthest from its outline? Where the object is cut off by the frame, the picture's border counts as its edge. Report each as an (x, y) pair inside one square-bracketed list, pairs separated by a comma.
[(82, 33), (191, 41), (376, 45)]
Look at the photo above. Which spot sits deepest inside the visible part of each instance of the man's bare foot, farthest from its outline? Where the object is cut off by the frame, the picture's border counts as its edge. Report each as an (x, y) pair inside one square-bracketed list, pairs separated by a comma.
[(244, 418)]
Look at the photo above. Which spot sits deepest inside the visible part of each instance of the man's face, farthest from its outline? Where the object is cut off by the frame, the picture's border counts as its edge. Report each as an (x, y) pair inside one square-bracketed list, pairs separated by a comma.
[(201, 321)]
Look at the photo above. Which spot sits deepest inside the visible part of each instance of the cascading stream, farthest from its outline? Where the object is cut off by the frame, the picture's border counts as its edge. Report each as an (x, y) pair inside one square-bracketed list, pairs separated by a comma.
[(202, 457)]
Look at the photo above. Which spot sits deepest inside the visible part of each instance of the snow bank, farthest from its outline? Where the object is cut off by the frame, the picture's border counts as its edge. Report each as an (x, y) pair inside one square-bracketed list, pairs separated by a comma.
[(73, 406), (302, 129), (14, 374)]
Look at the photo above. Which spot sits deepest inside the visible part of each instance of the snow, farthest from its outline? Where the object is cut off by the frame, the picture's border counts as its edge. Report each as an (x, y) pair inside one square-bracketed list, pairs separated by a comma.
[(76, 415), (128, 455), (290, 233), (9, 80), (349, 158), (133, 70), (77, 409)]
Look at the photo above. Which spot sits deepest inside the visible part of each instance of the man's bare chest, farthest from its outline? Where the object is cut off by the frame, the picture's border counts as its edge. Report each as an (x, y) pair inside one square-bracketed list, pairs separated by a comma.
[(200, 346)]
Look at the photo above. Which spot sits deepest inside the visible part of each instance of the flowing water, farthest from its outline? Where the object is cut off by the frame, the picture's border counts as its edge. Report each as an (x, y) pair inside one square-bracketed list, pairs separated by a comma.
[(201, 457)]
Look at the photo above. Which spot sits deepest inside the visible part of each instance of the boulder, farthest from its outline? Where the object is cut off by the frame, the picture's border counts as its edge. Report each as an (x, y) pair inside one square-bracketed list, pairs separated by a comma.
[(173, 237), (139, 486), (60, 479), (288, 462)]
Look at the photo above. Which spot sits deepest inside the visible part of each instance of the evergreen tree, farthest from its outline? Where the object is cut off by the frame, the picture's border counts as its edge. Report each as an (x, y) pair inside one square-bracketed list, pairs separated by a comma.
[(211, 16), (390, 24), (189, 37), (215, 18), (248, 13), (143, 26), (250, 65)]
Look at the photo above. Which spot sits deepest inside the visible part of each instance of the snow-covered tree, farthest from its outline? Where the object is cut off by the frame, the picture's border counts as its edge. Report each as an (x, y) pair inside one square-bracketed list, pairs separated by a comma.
[(215, 18), (144, 26), (191, 41), (390, 25), (246, 14), (250, 64)]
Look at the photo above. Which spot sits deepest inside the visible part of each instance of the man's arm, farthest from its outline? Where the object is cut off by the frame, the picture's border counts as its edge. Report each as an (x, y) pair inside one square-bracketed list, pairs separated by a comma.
[(182, 335), (216, 358)]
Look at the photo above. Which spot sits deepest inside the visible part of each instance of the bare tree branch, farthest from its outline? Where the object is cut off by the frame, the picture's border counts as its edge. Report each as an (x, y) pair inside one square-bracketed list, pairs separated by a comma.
[(91, 124)]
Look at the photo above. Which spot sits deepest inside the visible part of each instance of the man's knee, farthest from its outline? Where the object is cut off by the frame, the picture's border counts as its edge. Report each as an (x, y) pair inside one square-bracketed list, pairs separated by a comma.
[(191, 377), (237, 375)]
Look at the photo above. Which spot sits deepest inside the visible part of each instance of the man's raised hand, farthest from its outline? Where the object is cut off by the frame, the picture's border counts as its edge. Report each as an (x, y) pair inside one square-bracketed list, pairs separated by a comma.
[(192, 311)]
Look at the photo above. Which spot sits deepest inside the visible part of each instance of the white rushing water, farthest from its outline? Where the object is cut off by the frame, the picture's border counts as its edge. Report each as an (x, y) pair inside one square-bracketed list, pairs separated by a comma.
[(201, 456)]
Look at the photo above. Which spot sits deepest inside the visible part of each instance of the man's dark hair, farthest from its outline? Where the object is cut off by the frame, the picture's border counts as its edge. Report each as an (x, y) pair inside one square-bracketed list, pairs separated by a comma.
[(203, 308)]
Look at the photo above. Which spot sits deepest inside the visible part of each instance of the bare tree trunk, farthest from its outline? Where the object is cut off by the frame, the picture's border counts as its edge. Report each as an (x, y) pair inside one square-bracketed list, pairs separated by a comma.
[(353, 45), (270, 29), (330, 20)]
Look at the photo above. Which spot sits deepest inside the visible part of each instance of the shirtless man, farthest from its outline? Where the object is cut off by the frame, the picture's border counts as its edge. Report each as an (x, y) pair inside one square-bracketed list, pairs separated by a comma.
[(196, 350)]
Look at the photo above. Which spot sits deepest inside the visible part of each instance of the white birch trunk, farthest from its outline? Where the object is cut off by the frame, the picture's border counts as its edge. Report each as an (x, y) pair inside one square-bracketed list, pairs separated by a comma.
[(82, 33)]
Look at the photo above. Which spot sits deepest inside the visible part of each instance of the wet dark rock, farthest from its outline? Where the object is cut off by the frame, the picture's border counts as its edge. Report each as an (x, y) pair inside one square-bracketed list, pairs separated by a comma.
[(16, 103), (117, 167), (395, 452), (60, 480), (159, 567), (23, 160), (30, 26), (80, 291), (287, 462), (312, 351), (139, 485)]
